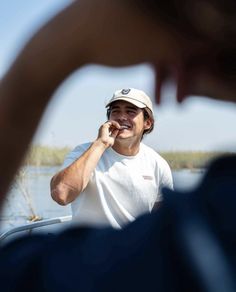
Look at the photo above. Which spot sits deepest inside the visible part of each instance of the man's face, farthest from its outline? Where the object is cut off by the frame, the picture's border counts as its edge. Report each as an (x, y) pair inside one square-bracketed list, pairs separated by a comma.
[(130, 118)]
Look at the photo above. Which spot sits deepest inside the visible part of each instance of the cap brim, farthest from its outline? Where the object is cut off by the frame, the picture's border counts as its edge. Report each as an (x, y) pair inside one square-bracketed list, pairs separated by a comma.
[(130, 100)]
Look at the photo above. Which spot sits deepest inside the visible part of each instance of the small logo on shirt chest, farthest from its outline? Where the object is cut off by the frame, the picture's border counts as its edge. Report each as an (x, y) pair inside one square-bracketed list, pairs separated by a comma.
[(147, 177)]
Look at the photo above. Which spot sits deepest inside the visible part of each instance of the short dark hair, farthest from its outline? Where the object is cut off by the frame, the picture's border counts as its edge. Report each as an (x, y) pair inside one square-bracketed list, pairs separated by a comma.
[(147, 114)]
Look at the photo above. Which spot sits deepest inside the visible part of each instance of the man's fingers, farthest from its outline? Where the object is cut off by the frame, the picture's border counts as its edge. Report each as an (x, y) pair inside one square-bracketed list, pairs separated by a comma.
[(114, 133), (113, 125)]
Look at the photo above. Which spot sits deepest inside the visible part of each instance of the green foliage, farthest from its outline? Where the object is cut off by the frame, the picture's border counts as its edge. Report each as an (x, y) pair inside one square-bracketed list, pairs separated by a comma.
[(190, 160), (53, 156), (46, 156)]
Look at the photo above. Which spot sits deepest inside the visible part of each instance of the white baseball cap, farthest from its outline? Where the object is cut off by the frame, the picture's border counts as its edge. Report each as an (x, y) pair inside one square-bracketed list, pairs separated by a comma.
[(132, 95)]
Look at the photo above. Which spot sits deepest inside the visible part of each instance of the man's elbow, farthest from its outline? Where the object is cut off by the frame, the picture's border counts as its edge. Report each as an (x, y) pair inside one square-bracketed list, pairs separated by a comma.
[(60, 194)]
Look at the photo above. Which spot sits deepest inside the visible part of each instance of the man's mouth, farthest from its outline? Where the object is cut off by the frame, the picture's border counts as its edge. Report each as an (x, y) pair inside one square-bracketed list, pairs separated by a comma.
[(124, 127)]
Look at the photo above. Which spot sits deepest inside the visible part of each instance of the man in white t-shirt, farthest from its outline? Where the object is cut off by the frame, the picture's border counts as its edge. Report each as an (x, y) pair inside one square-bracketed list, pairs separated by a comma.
[(116, 178)]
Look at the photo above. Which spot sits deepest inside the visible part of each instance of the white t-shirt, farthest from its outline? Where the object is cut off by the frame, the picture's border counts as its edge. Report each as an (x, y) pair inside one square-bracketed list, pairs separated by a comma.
[(121, 188)]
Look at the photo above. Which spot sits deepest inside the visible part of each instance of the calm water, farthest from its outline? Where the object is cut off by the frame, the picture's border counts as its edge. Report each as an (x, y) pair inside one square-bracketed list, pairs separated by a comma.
[(32, 195)]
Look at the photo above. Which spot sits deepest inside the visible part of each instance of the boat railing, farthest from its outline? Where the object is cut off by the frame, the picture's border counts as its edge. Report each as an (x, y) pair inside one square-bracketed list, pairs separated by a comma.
[(30, 226)]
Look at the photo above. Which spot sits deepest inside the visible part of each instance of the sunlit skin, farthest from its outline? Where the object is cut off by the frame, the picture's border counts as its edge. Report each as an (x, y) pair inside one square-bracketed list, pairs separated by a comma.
[(128, 124)]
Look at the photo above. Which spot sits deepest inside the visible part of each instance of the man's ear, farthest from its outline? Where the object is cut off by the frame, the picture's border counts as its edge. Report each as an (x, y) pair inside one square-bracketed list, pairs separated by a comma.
[(147, 124)]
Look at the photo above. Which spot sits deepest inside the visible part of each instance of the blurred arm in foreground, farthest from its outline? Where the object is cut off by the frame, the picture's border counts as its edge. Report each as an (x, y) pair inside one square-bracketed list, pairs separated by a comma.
[(201, 58), (85, 32)]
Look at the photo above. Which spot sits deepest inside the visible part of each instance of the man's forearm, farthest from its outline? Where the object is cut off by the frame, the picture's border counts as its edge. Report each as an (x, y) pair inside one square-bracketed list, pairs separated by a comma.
[(70, 182)]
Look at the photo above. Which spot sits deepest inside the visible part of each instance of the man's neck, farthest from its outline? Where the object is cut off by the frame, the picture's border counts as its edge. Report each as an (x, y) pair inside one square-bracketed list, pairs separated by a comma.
[(128, 149)]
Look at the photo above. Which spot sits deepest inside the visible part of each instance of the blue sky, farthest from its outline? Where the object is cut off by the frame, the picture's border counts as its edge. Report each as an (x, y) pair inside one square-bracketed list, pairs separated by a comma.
[(77, 108)]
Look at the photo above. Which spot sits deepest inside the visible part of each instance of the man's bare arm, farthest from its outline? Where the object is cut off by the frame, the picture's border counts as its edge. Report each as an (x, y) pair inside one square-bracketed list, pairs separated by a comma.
[(67, 184)]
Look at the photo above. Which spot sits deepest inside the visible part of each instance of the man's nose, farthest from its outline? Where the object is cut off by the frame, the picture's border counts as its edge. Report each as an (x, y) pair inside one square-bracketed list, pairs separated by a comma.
[(123, 116)]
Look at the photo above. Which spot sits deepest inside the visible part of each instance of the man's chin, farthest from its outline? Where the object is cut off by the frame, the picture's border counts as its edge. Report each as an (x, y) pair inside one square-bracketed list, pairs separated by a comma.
[(122, 136)]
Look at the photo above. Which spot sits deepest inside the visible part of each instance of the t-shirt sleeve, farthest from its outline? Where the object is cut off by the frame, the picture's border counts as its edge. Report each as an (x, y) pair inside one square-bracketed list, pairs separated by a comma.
[(166, 179), (73, 155)]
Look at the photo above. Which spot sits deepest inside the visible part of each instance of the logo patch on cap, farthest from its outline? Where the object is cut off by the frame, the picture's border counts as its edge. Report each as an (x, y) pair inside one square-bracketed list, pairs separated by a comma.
[(125, 91)]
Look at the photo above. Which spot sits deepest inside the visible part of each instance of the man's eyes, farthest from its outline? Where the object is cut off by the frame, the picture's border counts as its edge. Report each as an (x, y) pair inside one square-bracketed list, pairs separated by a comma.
[(130, 112), (114, 111)]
